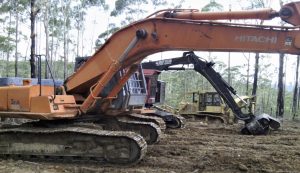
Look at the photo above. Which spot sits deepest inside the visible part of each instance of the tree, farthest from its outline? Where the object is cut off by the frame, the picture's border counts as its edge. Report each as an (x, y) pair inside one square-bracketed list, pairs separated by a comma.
[(257, 4), (13, 8), (212, 6), (130, 8), (78, 14), (33, 13), (16, 10), (129, 11), (46, 28), (66, 27), (280, 98), (295, 93), (248, 75), (6, 7), (256, 69)]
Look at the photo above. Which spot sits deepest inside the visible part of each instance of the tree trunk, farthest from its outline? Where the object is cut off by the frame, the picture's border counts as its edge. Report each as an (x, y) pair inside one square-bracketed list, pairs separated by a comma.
[(65, 35), (16, 39), (52, 50), (46, 21), (248, 70), (65, 53), (280, 99), (298, 102), (256, 68), (77, 47), (56, 66), (32, 36), (8, 51), (268, 100), (295, 94), (229, 72)]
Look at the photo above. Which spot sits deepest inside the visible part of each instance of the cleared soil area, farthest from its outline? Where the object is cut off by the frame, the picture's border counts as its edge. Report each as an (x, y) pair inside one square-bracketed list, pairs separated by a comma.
[(198, 148)]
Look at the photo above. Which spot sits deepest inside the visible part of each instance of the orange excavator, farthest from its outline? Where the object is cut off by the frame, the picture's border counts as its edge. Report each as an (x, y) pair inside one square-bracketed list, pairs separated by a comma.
[(80, 121)]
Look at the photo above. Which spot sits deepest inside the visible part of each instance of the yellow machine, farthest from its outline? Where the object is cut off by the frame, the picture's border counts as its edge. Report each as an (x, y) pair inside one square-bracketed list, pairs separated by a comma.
[(210, 107), (86, 118)]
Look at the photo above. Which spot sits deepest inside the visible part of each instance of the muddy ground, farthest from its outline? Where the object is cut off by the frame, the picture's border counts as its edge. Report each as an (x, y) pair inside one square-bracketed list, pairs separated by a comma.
[(199, 148)]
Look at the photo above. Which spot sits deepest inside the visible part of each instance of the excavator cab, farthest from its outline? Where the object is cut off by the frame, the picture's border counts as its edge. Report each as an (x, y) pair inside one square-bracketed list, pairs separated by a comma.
[(156, 88), (134, 91), (208, 99)]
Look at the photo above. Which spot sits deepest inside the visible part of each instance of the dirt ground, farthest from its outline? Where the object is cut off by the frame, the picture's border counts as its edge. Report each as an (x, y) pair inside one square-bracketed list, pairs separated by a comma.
[(198, 148)]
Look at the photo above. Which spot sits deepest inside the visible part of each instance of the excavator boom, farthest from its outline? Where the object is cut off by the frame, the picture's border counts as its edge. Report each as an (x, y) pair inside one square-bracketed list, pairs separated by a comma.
[(131, 44)]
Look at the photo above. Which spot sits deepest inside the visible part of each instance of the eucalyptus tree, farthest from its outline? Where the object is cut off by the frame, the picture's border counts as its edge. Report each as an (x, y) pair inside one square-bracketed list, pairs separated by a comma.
[(254, 5), (264, 84), (295, 93), (66, 17), (16, 11), (256, 70), (248, 73), (79, 12), (6, 23), (128, 11), (280, 94), (20, 6), (33, 13), (213, 6), (44, 5), (76, 12)]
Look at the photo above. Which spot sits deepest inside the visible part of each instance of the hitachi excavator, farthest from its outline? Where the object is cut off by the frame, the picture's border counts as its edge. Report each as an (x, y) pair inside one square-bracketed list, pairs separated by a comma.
[(207, 106), (79, 120)]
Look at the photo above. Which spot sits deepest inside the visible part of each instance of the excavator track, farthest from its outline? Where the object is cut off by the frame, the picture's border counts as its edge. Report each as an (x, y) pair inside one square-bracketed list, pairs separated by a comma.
[(172, 121), (177, 122), (207, 118), (148, 130), (156, 120), (72, 144)]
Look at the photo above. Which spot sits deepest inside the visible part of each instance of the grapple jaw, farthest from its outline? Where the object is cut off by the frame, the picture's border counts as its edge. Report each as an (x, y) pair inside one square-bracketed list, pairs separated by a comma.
[(260, 125)]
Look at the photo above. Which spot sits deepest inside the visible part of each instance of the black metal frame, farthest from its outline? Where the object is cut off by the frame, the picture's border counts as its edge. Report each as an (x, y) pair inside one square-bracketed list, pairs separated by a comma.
[(205, 69)]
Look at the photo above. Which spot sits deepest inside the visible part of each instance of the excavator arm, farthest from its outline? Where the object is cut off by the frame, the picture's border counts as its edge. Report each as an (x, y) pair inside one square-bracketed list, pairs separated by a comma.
[(205, 69), (221, 86)]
